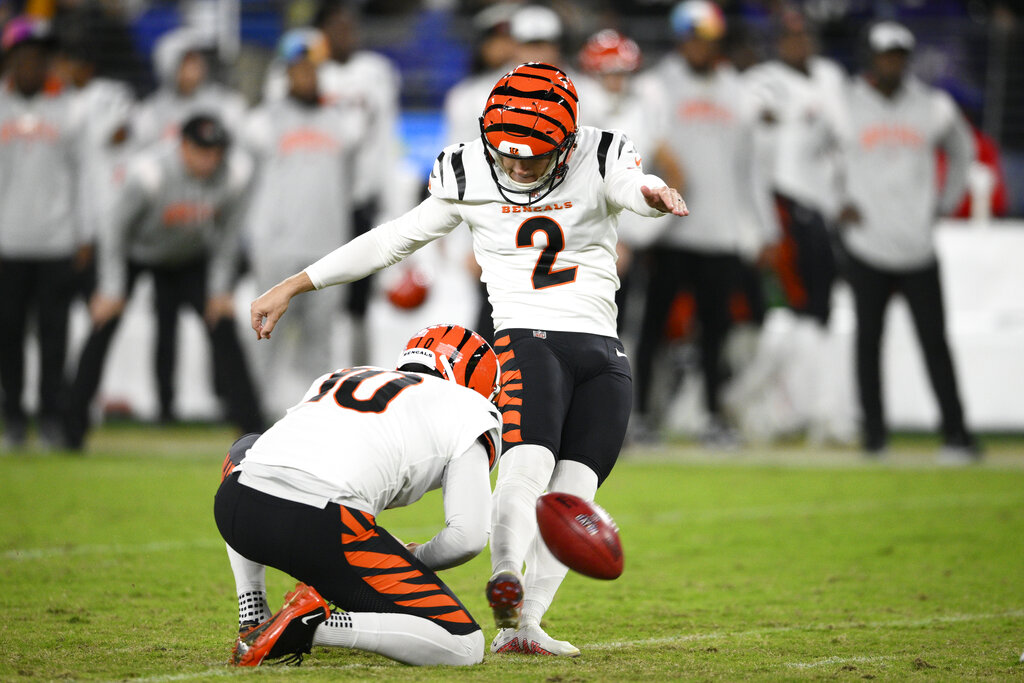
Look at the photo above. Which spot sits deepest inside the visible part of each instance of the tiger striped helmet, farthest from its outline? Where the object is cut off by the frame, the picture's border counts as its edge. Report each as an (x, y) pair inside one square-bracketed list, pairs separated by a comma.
[(532, 112), (456, 354)]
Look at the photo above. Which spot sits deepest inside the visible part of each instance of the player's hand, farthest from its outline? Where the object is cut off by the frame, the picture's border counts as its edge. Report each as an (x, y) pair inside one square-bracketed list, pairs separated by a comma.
[(219, 307), (265, 311), (412, 546), (665, 199), (104, 308)]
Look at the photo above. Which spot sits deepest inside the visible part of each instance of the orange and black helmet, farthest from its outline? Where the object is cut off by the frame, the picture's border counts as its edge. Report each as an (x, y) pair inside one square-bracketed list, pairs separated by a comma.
[(456, 354), (610, 52), (532, 112)]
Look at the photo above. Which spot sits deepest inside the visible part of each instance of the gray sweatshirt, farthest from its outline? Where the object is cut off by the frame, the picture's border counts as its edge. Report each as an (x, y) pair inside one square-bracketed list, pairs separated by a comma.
[(38, 174), (302, 206), (164, 217), (890, 168), (711, 134)]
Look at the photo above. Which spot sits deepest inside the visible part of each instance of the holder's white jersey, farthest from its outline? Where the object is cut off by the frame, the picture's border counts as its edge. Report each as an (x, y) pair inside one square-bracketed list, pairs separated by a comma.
[(548, 265), (370, 438)]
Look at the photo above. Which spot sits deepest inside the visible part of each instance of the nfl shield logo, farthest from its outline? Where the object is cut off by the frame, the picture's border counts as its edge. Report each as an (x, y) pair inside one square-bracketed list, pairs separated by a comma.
[(540, 334)]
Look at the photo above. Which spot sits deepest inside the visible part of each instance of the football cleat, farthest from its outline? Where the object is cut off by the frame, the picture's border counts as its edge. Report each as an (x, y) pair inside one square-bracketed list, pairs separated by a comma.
[(506, 642), (288, 634), (531, 640), (505, 595)]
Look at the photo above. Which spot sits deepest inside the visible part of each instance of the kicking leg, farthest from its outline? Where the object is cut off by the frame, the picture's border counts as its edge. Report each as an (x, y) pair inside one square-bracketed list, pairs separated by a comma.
[(523, 473)]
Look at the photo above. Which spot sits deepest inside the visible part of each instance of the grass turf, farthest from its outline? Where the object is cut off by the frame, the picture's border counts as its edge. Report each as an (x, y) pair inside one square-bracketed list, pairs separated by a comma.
[(767, 564)]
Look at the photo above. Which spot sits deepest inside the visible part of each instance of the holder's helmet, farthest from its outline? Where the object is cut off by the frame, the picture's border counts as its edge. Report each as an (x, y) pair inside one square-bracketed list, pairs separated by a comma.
[(455, 354), (532, 112)]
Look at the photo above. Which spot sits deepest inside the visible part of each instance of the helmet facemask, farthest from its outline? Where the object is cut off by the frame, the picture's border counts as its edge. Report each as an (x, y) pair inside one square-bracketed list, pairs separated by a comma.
[(530, 114)]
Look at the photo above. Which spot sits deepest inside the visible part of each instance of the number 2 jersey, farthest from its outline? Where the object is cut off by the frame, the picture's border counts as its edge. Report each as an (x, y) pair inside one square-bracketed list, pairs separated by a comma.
[(370, 439), (549, 265)]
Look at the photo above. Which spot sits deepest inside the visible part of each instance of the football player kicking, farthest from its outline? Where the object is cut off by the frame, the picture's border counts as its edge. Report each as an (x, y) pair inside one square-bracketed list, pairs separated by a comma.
[(304, 495), (541, 196)]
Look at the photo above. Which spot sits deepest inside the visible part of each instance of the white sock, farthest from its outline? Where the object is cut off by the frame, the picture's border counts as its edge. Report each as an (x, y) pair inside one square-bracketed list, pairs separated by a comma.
[(544, 574), (402, 637), (251, 587), (523, 472)]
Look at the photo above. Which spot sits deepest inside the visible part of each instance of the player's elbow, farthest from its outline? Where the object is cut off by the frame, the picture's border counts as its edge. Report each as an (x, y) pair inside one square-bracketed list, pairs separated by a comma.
[(471, 542), (470, 539)]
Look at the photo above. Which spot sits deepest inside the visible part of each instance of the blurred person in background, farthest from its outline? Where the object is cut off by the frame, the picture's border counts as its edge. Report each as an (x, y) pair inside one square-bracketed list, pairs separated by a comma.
[(107, 107), (799, 100), (307, 150), (493, 57), (185, 89), (711, 135), (366, 81), (637, 106), (178, 216), (41, 244), (896, 123)]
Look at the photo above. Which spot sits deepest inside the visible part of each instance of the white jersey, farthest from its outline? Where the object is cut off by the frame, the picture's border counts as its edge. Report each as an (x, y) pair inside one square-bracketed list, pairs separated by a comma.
[(802, 136), (370, 439), (547, 266)]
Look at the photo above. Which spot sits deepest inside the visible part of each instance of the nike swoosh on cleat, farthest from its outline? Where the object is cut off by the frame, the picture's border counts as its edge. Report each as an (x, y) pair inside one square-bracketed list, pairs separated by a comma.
[(314, 615)]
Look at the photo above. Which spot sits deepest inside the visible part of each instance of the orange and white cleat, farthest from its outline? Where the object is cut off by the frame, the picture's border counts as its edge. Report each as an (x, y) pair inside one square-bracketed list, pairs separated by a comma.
[(288, 634), (505, 595)]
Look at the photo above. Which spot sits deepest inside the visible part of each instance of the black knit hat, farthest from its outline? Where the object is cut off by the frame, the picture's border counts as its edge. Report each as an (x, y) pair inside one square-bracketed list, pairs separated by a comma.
[(205, 130)]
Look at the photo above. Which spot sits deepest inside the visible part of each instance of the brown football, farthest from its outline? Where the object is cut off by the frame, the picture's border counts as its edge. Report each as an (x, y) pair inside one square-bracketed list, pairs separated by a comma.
[(580, 534)]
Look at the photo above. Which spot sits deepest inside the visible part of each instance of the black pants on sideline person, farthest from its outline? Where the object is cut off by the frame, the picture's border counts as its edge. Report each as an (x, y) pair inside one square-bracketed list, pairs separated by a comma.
[(43, 287), (872, 290), (712, 278), (807, 269), (230, 367)]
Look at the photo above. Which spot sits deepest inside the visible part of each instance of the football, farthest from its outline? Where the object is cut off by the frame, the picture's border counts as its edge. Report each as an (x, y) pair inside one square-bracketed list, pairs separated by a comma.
[(580, 534)]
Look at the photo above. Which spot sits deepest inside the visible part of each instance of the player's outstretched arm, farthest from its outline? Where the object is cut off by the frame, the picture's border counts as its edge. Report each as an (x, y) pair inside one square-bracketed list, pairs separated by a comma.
[(265, 311), (665, 199)]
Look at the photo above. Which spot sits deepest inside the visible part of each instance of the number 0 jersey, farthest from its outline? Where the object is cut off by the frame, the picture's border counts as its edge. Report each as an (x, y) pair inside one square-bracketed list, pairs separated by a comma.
[(549, 265), (370, 439)]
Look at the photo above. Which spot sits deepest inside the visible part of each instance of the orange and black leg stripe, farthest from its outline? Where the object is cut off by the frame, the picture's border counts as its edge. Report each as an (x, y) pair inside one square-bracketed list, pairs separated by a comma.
[(392, 580), (510, 397)]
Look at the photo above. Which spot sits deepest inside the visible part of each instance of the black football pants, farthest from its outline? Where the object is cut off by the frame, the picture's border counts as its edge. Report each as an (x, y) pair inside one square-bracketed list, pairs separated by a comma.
[(44, 287), (184, 284), (872, 289)]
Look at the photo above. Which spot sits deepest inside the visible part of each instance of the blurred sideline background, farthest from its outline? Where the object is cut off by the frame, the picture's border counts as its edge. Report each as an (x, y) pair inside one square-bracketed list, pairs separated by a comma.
[(971, 49)]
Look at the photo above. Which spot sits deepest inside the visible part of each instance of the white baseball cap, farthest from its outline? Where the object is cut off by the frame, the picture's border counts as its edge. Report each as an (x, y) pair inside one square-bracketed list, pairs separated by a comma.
[(534, 23), (888, 35)]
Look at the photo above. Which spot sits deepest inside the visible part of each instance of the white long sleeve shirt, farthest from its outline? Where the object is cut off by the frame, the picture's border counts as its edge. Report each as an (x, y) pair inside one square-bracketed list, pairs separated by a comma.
[(550, 265)]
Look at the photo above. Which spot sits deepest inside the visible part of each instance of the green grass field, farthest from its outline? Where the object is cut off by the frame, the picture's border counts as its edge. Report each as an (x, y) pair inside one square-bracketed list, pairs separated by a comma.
[(764, 564)]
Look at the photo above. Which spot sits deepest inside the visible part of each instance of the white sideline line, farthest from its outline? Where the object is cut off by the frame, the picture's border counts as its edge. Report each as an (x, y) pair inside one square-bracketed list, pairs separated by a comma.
[(829, 661), (690, 637), (110, 549), (155, 547), (841, 626)]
